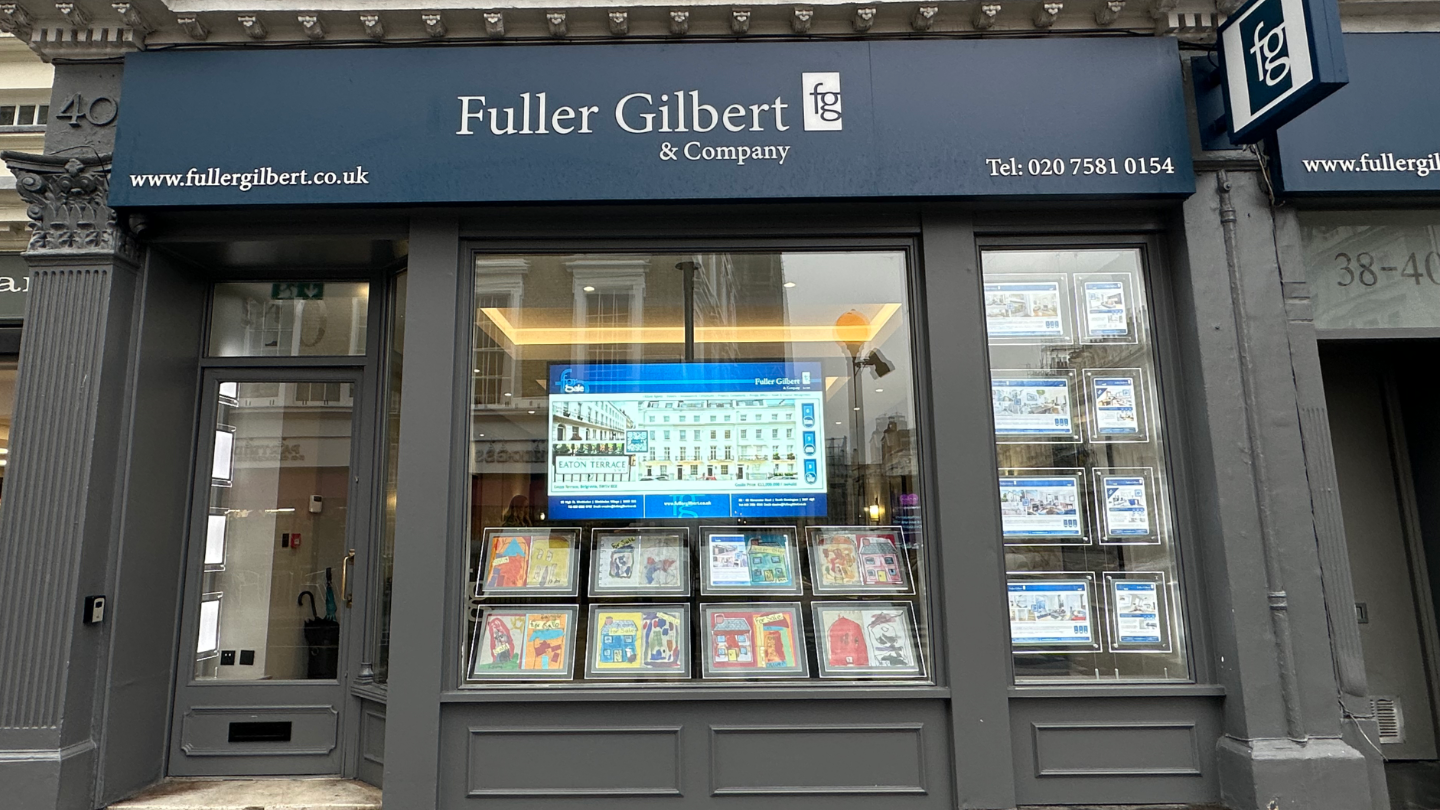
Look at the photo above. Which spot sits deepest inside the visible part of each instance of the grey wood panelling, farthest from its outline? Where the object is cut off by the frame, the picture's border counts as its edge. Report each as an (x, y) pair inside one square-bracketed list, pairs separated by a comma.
[(607, 761), (876, 749), (1116, 749), (790, 759)]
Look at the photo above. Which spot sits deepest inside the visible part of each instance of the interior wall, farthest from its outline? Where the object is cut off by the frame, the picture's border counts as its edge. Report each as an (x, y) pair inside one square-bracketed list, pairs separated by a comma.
[(143, 611)]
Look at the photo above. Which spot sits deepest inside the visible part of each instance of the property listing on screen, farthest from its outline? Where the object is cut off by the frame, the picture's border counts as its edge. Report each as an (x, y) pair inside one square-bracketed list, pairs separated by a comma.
[(686, 440)]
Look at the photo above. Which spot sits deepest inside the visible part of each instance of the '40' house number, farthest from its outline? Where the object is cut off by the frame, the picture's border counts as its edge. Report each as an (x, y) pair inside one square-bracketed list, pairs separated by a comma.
[(99, 111)]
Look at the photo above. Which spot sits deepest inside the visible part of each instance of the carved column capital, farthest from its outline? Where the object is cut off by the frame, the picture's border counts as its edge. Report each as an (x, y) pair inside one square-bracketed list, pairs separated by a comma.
[(67, 203)]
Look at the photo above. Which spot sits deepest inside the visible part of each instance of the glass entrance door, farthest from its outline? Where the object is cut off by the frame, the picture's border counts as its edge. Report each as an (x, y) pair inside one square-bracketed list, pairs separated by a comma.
[(271, 597)]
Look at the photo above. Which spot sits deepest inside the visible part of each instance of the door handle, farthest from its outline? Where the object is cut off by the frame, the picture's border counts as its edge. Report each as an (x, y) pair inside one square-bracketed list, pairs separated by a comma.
[(345, 567)]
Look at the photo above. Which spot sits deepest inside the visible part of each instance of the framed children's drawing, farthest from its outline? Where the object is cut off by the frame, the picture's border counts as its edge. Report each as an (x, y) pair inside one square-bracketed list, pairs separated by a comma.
[(524, 643), (749, 559), (858, 560), (754, 641), (640, 562), (639, 642), (530, 562), (866, 640)]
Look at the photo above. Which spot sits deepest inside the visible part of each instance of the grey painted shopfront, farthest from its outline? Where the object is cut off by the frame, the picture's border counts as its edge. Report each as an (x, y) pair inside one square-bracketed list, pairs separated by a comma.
[(701, 425)]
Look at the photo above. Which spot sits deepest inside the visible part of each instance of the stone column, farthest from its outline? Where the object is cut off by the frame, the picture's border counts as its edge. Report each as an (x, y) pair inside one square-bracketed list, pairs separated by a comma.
[(61, 491), (1283, 746)]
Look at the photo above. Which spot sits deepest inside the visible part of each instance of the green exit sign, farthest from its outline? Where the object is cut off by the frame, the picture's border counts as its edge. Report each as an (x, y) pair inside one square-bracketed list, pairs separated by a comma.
[(297, 291)]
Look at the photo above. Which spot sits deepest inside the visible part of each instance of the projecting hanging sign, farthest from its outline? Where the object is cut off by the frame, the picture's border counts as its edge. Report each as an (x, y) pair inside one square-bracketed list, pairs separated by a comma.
[(1279, 58), (653, 121)]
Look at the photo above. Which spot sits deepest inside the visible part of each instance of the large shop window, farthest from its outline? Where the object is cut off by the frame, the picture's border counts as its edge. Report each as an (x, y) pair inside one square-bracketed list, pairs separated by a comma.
[(1093, 580), (694, 469)]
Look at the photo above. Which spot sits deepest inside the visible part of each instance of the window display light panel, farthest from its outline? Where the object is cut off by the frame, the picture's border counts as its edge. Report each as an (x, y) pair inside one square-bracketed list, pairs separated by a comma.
[(638, 642), (866, 640), (858, 560), (1034, 406), (755, 640), (1102, 530), (684, 440), (640, 562), (749, 559), (530, 562), (524, 643)]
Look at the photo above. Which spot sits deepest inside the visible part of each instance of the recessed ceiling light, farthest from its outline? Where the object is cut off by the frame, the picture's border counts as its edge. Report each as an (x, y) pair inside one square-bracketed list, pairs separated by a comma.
[(482, 434), (477, 371), (531, 411), (588, 288), (857, 407), (879, 390), (789, 284), (837, 421), (507, 393)]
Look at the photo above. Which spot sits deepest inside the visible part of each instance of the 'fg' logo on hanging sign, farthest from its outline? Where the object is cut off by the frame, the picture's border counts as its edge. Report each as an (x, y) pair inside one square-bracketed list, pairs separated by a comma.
[(1268, 68), (1279, 57)]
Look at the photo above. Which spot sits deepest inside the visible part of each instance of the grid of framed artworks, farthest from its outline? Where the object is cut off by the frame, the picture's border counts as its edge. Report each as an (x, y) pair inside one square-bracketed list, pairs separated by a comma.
[(1085, 503), (765, 604)]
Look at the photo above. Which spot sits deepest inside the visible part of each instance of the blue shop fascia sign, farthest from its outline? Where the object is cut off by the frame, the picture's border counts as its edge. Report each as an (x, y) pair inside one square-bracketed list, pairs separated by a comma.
[(693, 121), (1380, 134)]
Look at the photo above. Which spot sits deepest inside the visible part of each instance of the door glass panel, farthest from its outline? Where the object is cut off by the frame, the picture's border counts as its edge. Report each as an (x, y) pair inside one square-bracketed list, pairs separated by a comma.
[(273, 589), (289, 319)]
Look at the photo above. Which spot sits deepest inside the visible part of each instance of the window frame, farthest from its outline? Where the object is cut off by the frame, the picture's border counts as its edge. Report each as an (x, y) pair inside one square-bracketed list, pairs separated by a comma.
[(1174, 416)]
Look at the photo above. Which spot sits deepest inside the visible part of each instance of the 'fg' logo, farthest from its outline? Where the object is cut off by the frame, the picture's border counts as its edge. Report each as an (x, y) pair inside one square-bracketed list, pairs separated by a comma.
[(1267, 70), (821, 96)]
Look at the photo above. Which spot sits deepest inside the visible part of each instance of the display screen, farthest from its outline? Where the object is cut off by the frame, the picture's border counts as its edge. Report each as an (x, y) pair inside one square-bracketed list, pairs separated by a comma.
[(686, 440)]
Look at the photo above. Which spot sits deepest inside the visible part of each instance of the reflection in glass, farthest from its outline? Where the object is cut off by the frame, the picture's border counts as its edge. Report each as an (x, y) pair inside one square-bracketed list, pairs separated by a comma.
[(275, 534), (289, 319), (392, 476), (840, 316)]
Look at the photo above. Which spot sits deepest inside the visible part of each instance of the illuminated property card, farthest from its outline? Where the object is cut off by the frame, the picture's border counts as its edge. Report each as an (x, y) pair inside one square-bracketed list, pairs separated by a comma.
[(1032, 406), (1126, 506), (1137, 611), (1117, 411), (1040, 509), (1024, 309), (1106, 314), (1050, 613)]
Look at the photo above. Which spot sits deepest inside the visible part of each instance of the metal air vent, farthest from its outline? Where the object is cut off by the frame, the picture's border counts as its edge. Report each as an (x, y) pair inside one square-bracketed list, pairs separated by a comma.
[(1390, 719)]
